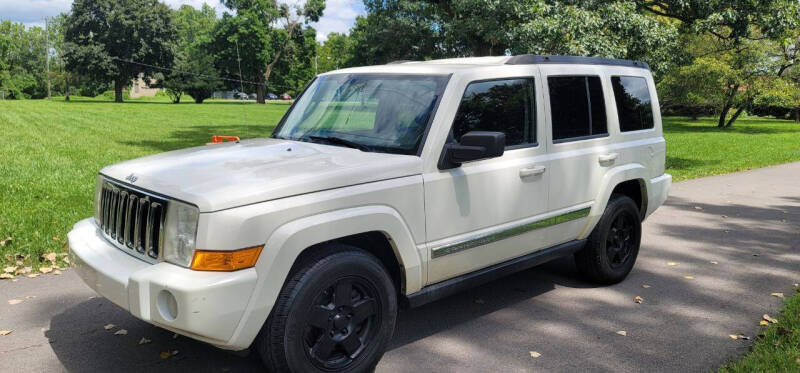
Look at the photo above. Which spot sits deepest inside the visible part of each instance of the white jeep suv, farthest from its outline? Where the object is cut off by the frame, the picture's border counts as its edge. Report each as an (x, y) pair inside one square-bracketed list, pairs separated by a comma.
[(382, 187)]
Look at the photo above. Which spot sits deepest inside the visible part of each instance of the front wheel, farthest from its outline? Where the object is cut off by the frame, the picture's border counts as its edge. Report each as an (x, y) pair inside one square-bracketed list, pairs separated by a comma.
[(336, 313), (612, 247)]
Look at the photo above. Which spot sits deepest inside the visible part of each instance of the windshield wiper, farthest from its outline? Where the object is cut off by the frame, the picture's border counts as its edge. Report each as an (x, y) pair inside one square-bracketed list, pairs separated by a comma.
[(341, 141)]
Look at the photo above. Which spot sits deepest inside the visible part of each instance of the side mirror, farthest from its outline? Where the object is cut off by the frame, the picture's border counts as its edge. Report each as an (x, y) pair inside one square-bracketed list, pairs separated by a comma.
[(473, 146)]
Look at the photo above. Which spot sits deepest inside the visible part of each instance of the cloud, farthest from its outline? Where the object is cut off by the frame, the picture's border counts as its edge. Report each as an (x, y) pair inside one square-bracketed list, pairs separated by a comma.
[(339, 15)]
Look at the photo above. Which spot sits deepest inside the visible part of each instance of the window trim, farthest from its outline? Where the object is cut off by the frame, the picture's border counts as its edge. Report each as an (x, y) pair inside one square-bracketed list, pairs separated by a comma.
[(616, 107), (555, 141), (534, 102)]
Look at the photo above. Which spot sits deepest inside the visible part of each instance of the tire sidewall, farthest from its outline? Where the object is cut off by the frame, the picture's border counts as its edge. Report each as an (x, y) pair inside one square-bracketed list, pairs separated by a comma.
[(618, 205), (321, 276)]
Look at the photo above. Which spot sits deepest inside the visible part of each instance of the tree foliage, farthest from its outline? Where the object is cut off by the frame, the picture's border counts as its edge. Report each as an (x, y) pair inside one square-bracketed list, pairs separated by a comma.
[(193, 71), (405, 29), (116, 41)]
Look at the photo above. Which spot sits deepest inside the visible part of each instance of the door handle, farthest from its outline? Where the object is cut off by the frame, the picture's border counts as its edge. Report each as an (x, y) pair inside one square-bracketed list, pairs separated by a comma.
[(608, 158), (532, 171)]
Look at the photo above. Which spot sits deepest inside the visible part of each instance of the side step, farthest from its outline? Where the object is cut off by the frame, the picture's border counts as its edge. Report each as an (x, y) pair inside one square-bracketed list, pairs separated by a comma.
[(454, 285)]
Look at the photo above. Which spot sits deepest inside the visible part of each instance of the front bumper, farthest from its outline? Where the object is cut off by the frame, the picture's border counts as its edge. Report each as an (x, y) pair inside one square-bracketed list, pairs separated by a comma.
[(207, 306)]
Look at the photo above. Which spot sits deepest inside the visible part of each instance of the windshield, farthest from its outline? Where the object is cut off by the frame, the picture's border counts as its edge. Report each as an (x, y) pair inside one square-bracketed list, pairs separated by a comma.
[(370, 112)]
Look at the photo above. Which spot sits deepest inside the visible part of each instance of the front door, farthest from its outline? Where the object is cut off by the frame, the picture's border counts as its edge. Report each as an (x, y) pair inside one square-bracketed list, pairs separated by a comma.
[(484, 212)]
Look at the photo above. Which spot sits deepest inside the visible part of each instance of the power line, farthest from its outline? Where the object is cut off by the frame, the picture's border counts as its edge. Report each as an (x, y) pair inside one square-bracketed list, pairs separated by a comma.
[(200, 75)]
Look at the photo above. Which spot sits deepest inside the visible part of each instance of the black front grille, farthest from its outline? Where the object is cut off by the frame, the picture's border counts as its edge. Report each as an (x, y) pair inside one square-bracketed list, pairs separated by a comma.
[(132, 219)]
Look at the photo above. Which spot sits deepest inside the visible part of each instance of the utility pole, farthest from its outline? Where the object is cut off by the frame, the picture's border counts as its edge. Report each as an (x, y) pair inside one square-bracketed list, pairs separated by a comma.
[(47, 54), (316, 58)]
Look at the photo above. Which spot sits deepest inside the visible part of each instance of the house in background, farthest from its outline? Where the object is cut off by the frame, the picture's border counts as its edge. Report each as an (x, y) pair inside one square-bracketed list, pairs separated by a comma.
[(140, 88)]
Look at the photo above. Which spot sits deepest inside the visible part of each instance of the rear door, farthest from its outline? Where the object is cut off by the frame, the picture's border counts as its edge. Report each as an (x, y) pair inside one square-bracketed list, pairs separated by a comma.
[(579, 142)]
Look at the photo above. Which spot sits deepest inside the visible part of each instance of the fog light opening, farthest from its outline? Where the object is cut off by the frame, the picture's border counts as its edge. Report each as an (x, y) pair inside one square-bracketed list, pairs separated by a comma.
[(167, 305)]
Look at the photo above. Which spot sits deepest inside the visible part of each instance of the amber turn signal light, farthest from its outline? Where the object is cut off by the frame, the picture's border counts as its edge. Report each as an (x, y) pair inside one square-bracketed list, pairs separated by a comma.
[(227, 261)]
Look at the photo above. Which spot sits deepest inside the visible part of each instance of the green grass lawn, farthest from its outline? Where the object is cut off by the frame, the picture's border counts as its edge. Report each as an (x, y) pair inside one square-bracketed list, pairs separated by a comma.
[(50, 152)]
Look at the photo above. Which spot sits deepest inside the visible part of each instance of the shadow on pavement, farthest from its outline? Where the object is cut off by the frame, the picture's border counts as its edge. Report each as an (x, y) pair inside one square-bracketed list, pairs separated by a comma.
[(735, 254)]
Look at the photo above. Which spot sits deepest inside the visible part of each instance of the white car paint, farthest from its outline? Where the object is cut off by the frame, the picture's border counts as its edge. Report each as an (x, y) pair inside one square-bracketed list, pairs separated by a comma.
[(289, 195)]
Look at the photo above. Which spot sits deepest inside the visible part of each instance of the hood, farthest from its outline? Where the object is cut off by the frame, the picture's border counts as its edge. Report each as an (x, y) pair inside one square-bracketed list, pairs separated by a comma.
[(227, 175)]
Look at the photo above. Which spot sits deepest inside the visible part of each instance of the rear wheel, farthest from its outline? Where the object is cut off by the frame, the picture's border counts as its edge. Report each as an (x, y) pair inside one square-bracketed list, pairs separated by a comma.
[(336, 313), (613, 245)]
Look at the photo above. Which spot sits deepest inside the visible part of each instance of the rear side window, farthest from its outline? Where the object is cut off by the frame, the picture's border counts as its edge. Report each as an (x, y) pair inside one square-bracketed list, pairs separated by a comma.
[(633, 103), (577, 107), (498, 105)]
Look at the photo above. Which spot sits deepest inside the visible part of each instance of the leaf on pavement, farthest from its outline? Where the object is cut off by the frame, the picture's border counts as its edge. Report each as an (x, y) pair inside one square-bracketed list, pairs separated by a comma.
[(646, 286), (56, 272), (10, 269), (739, 336), (672, 264), (109, 326), (763, 323), (14, 301), (638, 299), (698, 208), (535, 354), (689, 277), (5, 332), (32, 275), (779, 295), (144, 341), (6, 276), (45, 269), (121, 332), (30, 296), (622, 333), (714, 262), (769, 318)]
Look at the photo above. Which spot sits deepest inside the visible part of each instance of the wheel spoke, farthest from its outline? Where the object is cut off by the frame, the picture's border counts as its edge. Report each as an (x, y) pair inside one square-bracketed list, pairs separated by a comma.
[(343, 293), (351, 344), (318, 317), (362, 310), (324, 346)]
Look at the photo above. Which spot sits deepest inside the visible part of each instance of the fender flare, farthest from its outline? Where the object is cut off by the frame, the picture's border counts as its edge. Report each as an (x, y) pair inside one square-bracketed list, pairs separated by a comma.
[(612, 178), (289, 240)]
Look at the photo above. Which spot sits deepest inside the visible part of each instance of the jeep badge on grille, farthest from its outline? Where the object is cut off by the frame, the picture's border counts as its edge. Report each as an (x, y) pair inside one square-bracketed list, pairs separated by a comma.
[(132, 178)]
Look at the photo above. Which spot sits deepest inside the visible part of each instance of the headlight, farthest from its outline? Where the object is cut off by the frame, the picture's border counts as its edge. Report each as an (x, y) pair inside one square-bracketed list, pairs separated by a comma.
[(98, 193), (180, 232)]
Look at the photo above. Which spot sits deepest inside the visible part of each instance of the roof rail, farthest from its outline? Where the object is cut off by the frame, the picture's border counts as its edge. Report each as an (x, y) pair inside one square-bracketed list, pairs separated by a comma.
[(532, 59)]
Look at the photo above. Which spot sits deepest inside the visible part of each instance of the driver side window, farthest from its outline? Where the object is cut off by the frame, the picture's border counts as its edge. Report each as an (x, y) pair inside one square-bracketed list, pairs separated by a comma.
[(505, 105)]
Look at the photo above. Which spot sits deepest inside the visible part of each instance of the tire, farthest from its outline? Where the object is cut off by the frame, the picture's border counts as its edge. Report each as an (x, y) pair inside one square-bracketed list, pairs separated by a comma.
[(612, 247), (335, 313)]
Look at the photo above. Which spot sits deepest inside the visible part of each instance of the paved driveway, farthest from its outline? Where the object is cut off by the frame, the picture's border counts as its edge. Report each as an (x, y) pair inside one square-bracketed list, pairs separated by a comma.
[(736, 236)]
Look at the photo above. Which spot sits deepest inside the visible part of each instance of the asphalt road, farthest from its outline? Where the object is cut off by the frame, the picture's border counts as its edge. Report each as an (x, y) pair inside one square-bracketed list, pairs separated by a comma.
[(737, 235)]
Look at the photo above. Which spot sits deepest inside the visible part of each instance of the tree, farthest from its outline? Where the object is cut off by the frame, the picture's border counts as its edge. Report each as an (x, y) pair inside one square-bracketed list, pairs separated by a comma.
[(117, 41), (274, 29), (405, 29), (193, 72), (335, 53), (726, 19)]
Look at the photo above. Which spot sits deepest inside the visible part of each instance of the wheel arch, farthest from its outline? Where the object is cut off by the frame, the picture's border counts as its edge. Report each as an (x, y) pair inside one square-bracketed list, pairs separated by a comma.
[(630, 180), (357, 226)]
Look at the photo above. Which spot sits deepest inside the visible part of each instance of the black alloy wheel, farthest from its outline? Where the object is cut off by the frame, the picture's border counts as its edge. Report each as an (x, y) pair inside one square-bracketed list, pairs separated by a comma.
[(341, 323)]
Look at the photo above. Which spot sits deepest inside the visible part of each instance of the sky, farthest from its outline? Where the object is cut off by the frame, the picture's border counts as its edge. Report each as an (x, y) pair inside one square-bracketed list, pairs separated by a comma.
[(339, 15)]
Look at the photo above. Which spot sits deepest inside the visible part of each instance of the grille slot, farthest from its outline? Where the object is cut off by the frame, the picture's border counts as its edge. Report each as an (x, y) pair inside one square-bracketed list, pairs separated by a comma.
[(132, 219)]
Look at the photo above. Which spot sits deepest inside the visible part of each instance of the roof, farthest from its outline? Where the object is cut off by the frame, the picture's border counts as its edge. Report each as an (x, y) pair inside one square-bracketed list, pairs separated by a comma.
[(453, 64)]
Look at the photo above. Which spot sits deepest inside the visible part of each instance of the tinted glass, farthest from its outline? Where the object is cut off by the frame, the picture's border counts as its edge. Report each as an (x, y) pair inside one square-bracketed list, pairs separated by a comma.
[(577, 106), (498, 105), (378, 112), (633, 103)]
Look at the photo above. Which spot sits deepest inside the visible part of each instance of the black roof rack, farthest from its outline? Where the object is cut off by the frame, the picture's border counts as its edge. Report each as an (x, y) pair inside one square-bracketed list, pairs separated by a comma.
[(532, 59)]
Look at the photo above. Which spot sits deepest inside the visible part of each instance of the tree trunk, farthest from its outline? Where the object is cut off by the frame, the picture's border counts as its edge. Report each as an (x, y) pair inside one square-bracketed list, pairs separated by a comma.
[(735, 116), (728, 105), (260, 90), (797, 115), (119, 84)]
